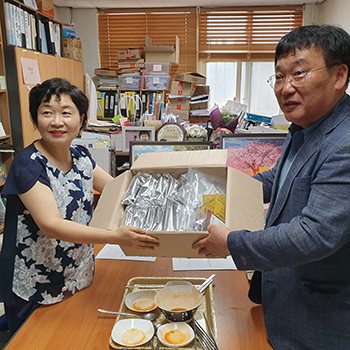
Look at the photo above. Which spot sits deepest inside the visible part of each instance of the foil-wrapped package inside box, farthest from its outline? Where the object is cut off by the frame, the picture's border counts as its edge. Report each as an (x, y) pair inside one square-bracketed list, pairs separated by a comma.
[(166, 173)]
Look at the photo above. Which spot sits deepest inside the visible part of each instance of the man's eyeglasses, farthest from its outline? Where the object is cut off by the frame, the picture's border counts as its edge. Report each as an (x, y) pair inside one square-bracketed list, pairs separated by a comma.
[(297, 79)]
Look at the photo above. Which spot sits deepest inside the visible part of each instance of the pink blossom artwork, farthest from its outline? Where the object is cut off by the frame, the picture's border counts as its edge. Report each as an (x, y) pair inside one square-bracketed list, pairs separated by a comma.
[(253, 155)]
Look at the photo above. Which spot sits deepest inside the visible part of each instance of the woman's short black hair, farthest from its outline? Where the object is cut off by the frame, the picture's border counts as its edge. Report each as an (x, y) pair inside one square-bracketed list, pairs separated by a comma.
[(334, 42), (57, 86)]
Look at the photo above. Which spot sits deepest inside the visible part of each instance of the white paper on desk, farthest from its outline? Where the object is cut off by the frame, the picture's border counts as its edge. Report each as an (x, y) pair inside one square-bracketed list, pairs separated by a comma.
[(183, 264), (113, 251)]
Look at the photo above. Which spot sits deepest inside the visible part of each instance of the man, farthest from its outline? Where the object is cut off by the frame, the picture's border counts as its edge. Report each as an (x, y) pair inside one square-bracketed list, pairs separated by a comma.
[(303, 255)]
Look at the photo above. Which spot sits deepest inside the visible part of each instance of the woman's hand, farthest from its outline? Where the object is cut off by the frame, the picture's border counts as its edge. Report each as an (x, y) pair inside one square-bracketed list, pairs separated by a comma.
[(135, 237), (215, 244)]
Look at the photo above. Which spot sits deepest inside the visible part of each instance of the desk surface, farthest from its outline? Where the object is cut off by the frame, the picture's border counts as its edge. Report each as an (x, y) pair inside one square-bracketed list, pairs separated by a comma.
[(75, 324)]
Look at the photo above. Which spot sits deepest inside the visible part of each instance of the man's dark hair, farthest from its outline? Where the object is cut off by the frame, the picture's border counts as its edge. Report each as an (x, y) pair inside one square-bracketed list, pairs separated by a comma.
[(57, 86), (334, 42)]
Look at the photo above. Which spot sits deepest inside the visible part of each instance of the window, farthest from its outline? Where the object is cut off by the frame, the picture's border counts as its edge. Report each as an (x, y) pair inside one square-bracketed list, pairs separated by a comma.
[(222, 78), (226, 79)]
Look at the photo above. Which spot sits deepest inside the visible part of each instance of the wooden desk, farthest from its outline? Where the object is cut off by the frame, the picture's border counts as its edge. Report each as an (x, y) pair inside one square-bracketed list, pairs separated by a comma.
[(75, 324)]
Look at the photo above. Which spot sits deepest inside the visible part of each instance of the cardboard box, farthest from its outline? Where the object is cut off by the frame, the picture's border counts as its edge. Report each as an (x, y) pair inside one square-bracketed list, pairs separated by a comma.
[(201, 119), (244, 199), (72, 49), (105, 72), (125, 64), (200, 98), (162, 53), (181, 88), (129, 54), (179, 103), (188, 77), (46, 7), (182, 114)]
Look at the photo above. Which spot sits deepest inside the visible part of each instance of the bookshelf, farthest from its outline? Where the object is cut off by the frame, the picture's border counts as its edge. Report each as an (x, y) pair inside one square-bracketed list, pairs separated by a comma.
[(24, 27)]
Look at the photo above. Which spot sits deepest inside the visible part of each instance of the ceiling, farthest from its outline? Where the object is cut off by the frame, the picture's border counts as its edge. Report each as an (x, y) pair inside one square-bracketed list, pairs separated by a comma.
[(80, 4)]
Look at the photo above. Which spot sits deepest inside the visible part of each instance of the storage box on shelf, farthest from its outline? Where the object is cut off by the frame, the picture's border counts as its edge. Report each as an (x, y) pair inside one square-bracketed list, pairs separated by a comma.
[(130, 81), (46, 7), (157, 68), (157, 82), (72, 49)]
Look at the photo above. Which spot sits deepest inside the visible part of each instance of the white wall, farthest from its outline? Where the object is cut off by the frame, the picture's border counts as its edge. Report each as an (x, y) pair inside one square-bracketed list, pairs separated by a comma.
[(86, 29), (328, 12), (335, 12)]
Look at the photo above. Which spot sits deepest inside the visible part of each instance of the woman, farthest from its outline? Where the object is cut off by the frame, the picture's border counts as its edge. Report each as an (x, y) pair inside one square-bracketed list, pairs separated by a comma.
[(47, 253)]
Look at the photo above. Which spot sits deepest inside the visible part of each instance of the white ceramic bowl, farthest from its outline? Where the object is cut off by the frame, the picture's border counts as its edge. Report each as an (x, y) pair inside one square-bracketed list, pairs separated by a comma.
[(132, 332), (141, 301), (175, 334)]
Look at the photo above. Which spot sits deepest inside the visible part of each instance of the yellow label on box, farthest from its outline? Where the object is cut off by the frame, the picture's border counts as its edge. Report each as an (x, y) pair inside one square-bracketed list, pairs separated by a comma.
[(216, 203)]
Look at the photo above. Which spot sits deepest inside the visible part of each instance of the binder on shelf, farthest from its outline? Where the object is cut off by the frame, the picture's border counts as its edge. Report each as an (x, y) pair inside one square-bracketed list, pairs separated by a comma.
[(150, 103), (111, 105), (23, 42), (9, 23), (106, 111), (27, 30), (58, 39), (32, 30), (50, 48), (44, 39), (16, 18), (38, 37)]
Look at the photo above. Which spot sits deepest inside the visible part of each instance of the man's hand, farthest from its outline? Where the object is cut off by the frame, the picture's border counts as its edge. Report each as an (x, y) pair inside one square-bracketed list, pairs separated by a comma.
[(215, 244)]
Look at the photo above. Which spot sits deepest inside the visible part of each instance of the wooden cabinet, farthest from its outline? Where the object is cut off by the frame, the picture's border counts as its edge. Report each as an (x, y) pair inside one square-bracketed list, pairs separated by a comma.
[(49, 66)]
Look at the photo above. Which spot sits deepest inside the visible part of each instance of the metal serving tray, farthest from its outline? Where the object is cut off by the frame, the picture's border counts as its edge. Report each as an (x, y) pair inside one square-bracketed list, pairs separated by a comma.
[(206, 308)]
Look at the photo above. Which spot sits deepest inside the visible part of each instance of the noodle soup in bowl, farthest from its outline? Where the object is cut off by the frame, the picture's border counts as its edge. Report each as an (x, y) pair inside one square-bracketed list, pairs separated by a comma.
[(179, 301)]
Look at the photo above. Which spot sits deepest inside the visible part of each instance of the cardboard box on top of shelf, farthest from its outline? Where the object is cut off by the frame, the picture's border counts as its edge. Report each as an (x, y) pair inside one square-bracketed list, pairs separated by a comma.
[(46, 7), (183, 114), (200, 119), (72, 49), (200, 97), (181, 88), (129, 54), (182, 103), (137, 63), (105, 72), (244, 199), (189, 77), (162, 53)]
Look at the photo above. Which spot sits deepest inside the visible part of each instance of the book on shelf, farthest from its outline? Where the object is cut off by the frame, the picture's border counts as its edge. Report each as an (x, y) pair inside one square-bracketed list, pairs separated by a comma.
[(29, 31)]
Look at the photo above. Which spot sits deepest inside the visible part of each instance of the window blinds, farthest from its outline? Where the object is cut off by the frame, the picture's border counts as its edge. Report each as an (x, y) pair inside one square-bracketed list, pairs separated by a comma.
[(245, 30)]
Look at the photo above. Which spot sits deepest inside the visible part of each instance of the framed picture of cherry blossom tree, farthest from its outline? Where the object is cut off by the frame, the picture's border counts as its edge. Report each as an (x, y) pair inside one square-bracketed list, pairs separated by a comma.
[(253, 153)]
